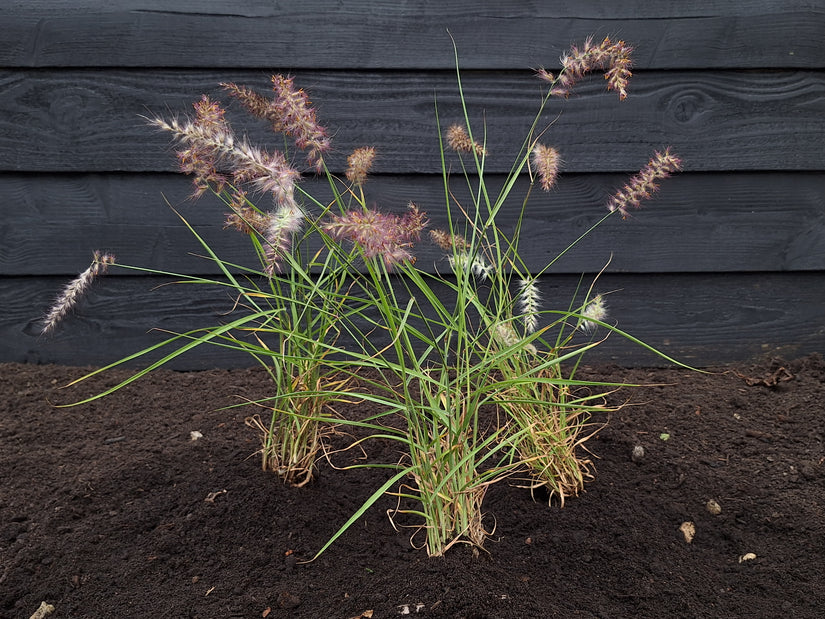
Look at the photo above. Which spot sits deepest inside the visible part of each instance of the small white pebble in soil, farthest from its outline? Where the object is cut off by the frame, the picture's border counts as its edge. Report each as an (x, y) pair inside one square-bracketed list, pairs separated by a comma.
[(195, 435), (638, 453)]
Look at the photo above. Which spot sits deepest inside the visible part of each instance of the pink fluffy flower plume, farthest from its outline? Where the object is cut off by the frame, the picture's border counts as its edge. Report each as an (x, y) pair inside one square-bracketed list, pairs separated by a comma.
[(384, 235), (642, 186)]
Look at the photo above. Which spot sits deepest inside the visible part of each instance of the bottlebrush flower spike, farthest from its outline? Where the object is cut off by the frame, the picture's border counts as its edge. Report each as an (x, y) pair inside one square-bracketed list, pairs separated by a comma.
[(460, 257), (268, 172), (384, 235), (298, 120), (255, 103), (359, 164), (644, 185), (459, 140), (200, 156), (612, 58), (290, 112), (73, 292), (595, 310), (280, 227), (461, 261), (244, 217), (210, 150), (546, 161), (447, 241), (505, 335), (528, 303)]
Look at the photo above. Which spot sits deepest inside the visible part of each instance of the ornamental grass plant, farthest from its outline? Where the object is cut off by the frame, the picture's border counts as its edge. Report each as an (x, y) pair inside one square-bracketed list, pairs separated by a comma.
[(475, 372), (290, 303)]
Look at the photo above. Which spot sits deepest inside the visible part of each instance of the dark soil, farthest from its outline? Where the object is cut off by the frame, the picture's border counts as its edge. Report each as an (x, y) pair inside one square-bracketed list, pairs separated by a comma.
[(112, 510)]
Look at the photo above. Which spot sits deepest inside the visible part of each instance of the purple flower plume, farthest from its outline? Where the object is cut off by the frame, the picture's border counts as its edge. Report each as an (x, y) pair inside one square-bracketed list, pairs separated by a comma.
[(385, 235)]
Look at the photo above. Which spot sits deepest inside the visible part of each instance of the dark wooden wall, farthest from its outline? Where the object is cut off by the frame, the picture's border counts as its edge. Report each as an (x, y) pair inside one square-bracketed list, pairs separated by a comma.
[(727, 263)]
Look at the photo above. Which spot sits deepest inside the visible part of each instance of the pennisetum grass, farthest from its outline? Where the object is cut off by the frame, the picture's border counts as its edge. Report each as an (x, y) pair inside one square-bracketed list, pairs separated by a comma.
[(292, 302), (480, 346), (480, 372)]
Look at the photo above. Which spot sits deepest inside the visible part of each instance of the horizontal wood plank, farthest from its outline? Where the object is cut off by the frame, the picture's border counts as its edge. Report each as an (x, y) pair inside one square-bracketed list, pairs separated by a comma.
[(81, 121), (700, 319), (391, 35), (697, 222)]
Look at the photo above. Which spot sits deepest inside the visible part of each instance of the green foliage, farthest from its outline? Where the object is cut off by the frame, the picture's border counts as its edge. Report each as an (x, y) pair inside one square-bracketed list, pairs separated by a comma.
[(482, 378)]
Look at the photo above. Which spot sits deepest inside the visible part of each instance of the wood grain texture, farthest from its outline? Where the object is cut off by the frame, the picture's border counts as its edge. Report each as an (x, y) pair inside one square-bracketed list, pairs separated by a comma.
[(76, 120), (698, 222), (727, 262), (701, 319), (410, 35)]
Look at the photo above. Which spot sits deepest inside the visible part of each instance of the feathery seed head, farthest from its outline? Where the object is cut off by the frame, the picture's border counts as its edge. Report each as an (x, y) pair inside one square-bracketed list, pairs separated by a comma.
[(73, 292), (209, 114), (385, 235), (612, 58), (460, 258), (358, 165), (290, 112), (202, 139), (506, 336), (643, 185), (459, 140), (463, 260), (447, 241), (246, 220), (244, 217), (298, 120), (210, 150), (528, 303), (411, 223), (546, 162), (256, 104), (268, 172), (280, 227), (595, 310)]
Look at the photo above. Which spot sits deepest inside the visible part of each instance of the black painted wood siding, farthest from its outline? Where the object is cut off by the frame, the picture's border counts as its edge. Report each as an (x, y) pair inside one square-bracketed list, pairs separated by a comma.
[(727, 263)]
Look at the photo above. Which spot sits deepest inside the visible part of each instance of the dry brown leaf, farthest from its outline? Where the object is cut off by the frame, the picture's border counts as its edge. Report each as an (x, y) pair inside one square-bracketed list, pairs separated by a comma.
[(780, 375)]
